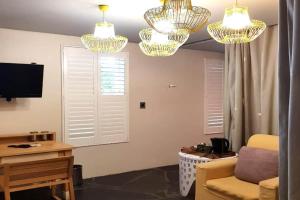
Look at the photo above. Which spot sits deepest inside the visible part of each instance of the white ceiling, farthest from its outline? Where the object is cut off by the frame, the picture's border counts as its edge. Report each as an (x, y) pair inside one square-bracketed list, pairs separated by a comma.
[(76, 17)]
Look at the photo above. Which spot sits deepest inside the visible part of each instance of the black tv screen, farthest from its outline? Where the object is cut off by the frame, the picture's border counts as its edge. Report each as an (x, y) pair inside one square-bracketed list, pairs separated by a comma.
[(21, 80)]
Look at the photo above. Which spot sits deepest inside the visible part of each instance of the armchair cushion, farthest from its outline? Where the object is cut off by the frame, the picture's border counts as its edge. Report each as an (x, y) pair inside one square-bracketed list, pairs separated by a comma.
[(255, 165), (234, 188)]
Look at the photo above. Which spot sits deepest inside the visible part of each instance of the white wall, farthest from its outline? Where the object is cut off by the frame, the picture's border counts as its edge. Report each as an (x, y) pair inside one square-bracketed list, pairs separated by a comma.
[(173, 117)]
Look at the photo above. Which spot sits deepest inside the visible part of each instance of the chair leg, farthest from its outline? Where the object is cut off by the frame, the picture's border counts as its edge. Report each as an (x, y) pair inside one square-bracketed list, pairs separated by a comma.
[(53, 193), (66, 192), (71, 190), (6, 195), (53, 190)]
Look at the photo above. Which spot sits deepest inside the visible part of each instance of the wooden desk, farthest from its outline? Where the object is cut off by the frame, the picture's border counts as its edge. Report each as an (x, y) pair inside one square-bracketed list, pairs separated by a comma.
[(47, 150)]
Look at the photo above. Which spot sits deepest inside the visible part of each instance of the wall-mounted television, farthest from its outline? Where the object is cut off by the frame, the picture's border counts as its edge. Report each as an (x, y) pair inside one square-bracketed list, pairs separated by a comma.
[(21, 80)]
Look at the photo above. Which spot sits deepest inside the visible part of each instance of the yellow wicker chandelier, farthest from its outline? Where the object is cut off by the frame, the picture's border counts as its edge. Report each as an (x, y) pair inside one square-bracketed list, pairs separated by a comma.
[(176, 15), (158, 44), (236, 27), (104, 39)]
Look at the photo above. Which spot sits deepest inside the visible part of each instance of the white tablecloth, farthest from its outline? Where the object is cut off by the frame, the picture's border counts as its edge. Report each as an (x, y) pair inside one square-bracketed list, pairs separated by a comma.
[(187, 171)]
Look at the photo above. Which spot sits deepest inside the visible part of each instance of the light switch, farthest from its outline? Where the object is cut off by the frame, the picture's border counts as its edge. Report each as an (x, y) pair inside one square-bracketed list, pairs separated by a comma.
[(142, 105)]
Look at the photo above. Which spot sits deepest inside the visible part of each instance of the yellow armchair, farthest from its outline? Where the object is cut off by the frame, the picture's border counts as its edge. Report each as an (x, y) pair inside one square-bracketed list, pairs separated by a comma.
[(216, 181)]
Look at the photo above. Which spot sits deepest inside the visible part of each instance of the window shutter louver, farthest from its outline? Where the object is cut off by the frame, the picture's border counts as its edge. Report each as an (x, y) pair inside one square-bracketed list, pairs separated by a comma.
[(213, 101), (80, 109), (113, 98)]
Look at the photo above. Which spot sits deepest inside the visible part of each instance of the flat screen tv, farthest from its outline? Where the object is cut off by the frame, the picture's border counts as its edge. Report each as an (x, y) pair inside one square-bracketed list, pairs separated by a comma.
[(21, 80)]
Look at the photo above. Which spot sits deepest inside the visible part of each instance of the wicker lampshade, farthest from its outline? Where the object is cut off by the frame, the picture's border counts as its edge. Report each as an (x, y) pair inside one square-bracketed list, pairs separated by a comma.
[(236, 27), (176, 15), (104, 39), (161, 50), (107, 45), (180, 36), (157, 44)]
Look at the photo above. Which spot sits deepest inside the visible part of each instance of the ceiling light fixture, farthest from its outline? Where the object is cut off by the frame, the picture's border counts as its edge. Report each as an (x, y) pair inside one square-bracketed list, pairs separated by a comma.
[(236, 27), (104, 39), (175, 15), (158, 44)]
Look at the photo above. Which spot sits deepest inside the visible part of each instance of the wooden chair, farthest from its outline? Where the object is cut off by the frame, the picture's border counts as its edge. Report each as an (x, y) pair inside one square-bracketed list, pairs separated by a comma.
[(37, 174)]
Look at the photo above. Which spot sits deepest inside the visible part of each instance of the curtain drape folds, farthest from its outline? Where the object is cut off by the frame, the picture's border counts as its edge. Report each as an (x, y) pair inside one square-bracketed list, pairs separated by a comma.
[(251, 97), (289, 99)]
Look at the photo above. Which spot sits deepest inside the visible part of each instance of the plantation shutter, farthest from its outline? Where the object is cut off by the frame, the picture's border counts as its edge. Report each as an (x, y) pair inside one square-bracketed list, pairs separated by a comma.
[(113, 98), (213, 100), (80, 102)]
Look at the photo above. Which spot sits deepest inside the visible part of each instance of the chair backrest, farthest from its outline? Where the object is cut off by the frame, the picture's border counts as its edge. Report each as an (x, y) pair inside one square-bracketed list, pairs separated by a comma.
[(263, 141), (35, 172)]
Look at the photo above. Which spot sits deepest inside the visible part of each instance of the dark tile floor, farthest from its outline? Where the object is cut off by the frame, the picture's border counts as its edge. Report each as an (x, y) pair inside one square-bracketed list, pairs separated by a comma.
[(152, 184)]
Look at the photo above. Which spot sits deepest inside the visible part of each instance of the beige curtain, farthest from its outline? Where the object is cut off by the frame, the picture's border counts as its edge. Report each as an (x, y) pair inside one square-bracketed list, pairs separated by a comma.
[(251, 88)]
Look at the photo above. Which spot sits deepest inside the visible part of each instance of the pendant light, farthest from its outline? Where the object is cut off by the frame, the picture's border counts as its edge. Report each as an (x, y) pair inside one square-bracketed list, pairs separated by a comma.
[(104, 39), (158, 44), (175, 15), (236, 27)]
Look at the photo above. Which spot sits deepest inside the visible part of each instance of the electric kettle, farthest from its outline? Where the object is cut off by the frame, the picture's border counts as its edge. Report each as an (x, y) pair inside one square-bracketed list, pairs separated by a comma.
[(220, 145)]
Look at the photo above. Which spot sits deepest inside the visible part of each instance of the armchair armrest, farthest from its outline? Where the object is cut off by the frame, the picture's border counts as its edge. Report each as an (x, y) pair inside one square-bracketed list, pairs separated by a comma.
[(268, 189), (216, 169), (212, 170)]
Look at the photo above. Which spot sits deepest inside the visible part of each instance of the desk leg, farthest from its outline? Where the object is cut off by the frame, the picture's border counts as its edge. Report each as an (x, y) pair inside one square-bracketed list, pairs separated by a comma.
[(5, 182), (66, 188), (71, 190)]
